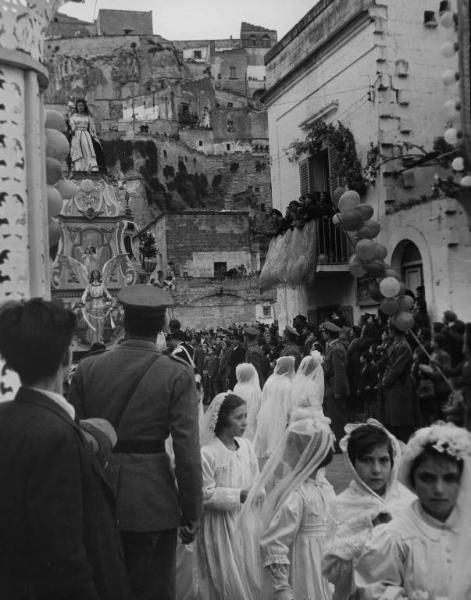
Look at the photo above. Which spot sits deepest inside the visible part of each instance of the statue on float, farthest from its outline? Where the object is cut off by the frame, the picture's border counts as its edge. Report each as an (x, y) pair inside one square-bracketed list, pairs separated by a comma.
[(86, 153), (96, 304)]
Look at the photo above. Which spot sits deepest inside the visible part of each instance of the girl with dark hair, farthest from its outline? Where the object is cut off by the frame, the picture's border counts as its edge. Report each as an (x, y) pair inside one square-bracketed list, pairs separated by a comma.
[(372, 455), (83, 144), (424, 551), (229, 469)]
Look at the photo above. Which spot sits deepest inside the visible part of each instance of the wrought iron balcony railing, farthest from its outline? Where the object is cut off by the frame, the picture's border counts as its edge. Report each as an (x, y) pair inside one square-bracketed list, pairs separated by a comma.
[(333, 244)]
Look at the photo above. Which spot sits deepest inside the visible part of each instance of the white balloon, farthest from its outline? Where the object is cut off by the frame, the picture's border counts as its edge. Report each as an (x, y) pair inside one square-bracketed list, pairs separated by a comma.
[(448, 49), (457, 164), (447, 19), (466, 181), (452, 107)]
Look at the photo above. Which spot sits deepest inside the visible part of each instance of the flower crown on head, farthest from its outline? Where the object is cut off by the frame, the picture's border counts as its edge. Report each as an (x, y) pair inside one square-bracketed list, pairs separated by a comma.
[(443, 437), (317, 356), (218, 402), (308, 421), (350, 427)]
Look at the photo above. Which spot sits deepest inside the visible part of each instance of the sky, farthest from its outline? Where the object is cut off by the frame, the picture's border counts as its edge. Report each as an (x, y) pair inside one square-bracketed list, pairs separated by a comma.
[(204, 19)]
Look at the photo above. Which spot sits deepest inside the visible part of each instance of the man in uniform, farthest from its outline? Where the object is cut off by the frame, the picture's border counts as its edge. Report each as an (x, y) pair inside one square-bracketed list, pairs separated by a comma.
[(147, 395), (254, 354), (335, 378), (291, 346)]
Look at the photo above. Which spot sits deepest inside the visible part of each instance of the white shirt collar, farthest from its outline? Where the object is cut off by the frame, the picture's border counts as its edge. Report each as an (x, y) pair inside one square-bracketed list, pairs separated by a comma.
[(58, 399)]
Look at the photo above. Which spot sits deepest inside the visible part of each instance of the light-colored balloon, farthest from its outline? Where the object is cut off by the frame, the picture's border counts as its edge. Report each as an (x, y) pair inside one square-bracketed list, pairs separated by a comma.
[(57, 145), (457, 164), (449, 77), (389, 287), (54, 201), (67, 189), (336, 219), (53, 170), (451, 136), (349, 199), (54, 120), (338, 192), (466, 181)]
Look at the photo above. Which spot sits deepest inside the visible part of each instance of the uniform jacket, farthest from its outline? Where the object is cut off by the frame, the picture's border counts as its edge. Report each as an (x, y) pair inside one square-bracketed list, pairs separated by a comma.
[(398, 392), (255, 356), (335, 369), (58, 533), (164, 403)]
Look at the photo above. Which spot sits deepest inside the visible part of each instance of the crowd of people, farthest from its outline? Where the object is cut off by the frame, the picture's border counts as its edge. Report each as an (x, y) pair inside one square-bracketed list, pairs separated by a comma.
[(136, 487)]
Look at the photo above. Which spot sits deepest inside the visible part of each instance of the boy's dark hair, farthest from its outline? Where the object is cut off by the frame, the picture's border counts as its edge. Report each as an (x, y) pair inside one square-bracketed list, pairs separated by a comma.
[(143, 325), (430, 452), (174, 325), (35, 337), (230, 403), (364, 439)]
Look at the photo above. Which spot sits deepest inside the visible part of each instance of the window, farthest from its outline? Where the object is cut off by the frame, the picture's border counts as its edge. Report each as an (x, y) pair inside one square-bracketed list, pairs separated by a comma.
[(266, 41), (267, 311), (253, 40), (220, 269), (257, 189), (230, 125), (262, 206), (232, 73), (197, 54), (230, 104), (228, 147), (219, 76), (314, 173), (200, 142), (165, 153)]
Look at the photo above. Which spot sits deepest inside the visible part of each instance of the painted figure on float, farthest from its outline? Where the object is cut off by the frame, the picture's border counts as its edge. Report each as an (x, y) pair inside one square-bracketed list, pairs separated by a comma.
[(85, 148), (96, 304)]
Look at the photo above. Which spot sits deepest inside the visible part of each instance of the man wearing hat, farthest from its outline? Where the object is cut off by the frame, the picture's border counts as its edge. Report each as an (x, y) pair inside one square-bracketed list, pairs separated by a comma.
[(254, 354), (291, 346), (146, 396), (335, 377)]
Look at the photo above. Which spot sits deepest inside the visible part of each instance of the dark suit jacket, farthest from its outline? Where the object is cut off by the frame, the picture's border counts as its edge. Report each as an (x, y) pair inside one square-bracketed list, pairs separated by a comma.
[(398, 392), (58, 534), (335, 369), (164, 403)]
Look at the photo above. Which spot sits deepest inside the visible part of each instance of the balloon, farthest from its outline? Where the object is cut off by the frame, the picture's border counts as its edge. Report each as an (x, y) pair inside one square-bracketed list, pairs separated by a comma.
[(54, 201), (54, 231), (366, 210), (457, 164), (357, 269), (349, 199), (336, 219), (465, 181), (351, 219), (53, 171), (336, 195), (380, 251), (403, 320), (370, 229), (54, 120), (375, 268), (389, 306), (67, 189), (57, 145), (406, 303), (402, 289), (449, 77), (365, 249), (392, 273), (451, 136), (389, 287)]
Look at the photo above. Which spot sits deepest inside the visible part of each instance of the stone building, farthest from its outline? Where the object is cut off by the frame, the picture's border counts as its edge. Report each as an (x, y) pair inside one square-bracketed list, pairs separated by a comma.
[(216, 260), (375, 67)]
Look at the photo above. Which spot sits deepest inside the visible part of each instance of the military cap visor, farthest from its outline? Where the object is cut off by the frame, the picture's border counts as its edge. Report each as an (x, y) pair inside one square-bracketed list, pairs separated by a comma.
[(145, 299), (251, 331), (328, 326)]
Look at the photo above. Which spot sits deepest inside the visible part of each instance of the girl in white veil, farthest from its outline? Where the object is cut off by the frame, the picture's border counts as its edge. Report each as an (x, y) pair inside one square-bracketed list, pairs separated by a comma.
[(248, 388), (273, 416), (287, 516), (424, 552), (308, 383)]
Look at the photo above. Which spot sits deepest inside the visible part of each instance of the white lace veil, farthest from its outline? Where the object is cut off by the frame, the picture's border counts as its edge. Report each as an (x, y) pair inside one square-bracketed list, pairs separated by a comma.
[(308, 383), (455, 441), (210, 418), (285, 366), (302, 450)]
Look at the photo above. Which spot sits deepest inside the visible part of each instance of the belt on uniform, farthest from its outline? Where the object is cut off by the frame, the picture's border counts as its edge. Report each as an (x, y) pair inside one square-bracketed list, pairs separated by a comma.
[(136, 447)]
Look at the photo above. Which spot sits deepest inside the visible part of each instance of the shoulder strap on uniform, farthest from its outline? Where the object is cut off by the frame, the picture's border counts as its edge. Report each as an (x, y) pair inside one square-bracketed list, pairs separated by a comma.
[(140, 376)]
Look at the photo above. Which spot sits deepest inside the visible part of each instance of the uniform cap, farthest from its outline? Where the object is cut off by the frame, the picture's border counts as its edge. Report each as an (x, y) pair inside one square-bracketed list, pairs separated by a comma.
[(251, 331), (145, 299), (328, 326)]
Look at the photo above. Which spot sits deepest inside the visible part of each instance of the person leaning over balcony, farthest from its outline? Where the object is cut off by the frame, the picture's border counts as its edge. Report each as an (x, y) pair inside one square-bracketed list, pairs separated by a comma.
[(58, 533)]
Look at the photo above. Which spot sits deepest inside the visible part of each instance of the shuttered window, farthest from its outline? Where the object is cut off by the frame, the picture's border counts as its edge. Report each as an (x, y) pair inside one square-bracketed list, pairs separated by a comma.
[(304, 187)]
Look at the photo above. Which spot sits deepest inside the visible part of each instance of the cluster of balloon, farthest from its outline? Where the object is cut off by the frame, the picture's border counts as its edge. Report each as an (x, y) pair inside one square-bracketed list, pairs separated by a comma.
[(58, 188), (368, 259)]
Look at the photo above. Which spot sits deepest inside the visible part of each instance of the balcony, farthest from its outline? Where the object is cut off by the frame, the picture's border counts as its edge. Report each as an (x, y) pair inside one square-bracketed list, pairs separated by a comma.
[(333, 246)]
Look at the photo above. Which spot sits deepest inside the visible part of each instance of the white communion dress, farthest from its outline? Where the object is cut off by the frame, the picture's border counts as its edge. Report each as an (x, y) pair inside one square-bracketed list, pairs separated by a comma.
[(295, 538), (414, 557), (225, 473)]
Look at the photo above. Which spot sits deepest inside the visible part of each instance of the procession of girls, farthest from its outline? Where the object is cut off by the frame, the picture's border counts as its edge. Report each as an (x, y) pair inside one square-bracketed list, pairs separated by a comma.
[(273, 527)]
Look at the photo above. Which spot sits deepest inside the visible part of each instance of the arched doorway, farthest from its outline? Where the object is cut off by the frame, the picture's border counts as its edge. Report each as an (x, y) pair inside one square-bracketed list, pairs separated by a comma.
[(407, 261)]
